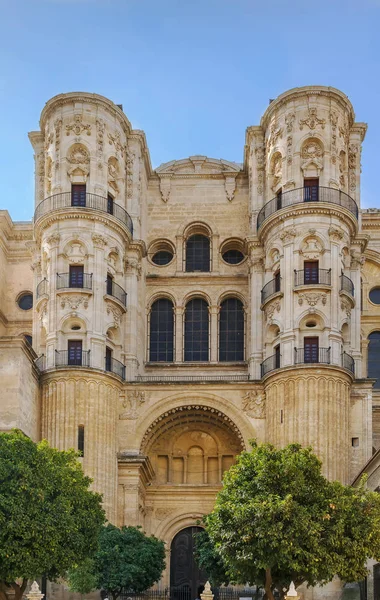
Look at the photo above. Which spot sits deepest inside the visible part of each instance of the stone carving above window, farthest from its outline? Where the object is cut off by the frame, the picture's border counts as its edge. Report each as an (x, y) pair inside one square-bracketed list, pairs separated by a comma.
[(79, 159), (77, 127), (312, 120), (312, 298), (312, 155), (311, 247), (253, 404)]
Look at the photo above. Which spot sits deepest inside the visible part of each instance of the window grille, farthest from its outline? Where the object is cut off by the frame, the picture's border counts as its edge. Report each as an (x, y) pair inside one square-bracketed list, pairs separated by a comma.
[(196, 331), (231, 330), (374, 358), (161, 334), (198, 254)]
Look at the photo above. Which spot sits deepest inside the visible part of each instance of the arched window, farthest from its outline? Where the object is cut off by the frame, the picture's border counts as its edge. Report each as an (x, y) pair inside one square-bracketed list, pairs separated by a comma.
[(374, 358), (231, 330), (196, 330), (198, 253), (161, 335)]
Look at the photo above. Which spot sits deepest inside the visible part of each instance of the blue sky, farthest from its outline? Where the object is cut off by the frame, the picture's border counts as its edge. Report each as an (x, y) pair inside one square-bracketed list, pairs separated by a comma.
[(192, 74)]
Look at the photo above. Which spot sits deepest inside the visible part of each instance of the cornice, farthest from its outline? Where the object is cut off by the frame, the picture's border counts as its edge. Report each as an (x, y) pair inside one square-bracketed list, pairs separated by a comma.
[(309, 90), (295, 210), (73, 97), (78, 374), (200, 167)]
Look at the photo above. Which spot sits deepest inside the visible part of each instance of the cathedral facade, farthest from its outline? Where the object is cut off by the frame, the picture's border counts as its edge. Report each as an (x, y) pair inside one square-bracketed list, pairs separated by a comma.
[(158, 320)]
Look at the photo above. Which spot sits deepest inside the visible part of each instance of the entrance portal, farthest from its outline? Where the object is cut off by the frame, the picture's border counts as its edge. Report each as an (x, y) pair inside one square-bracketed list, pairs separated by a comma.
[(186, 579)]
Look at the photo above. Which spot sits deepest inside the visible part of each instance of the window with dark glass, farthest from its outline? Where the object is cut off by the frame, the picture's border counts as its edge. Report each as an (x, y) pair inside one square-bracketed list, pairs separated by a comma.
[(25, 301), (311, 272), (108, 359), (311, 350), (78, 195), (311, 190), (161, 334), (76, 276), (233, 257), (277, 281), (29, 339), (81, 440), (74, 351), (374, 295), (196, 331), (279, 199), (198, 253), (163, 257), (277, 357), (231, 330), (110, 204), (374, 358), (109, 284)]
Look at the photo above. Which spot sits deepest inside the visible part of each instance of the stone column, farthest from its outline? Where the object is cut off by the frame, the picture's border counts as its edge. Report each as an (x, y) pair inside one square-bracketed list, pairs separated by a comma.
[(179, 310), (132, 273), (52, 325), (255, 351), (213, 333)]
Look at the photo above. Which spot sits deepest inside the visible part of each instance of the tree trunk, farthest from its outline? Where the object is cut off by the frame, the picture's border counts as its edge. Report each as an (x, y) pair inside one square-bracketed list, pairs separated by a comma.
[(268, 584), (18, 590)]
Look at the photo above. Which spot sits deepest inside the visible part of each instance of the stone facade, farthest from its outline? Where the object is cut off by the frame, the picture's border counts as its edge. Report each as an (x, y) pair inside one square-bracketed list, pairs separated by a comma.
[(158, 435)]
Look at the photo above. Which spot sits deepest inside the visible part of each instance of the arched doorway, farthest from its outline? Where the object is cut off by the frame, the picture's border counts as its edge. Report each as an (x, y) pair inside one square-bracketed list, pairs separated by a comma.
[(186, 579)]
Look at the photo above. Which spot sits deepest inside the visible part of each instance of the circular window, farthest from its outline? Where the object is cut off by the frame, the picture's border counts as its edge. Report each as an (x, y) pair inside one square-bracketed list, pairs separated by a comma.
[(163, 257), (75, 328), (25, 301), (374, 295), (311, 324), (233, 257)]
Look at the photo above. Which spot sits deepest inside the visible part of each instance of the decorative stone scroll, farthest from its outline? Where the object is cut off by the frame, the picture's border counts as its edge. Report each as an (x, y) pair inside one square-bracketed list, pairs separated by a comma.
[(78, 127), (312, 120)]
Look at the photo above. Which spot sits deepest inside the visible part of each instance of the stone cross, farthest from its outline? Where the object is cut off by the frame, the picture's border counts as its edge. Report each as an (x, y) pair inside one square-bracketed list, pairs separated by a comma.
[(34, 593), (207, 593)]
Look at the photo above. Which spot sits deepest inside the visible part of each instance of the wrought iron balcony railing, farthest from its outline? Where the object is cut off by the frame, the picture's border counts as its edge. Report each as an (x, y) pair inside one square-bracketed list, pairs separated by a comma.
[(312, 354), (42, 288), (312, 277), (190, 378), (307, 194), (40, 363), (76, 358), (82, 281), (346, 285), (270, 288), (90, 201), (270, 364), (114, 366), (115, 290), (348, 362)]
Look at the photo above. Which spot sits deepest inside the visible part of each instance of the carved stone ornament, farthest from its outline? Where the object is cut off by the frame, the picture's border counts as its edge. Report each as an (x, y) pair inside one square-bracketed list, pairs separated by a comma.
[(165, 187), (78, 127), (132, 265), (79, 155), (116, 314), (274, 135), (289, 149), (312, 298), (260, 156), (312, 120), (100, 128), (311, 248), (335, 233), (253, 404), (289, 120), (345, 305), (99, 240), (230, 186), (312, 149), (74, 302), (270, 310), (116, 141), (113, 173), (53, 239), (333, 119), (57, 130), (75, 252), (287, 235), (357, 259), (162, 513), (129, 165), (132, 403), (276, 171), (353, 151)]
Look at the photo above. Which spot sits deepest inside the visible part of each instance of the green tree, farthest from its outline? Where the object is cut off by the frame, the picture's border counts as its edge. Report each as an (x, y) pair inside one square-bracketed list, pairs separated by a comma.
[(126, 558), (82, 579), (49, 519), (277, 519), (209, 560)]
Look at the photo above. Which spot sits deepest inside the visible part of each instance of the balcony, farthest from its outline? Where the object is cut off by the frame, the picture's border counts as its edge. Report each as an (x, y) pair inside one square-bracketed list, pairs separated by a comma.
[(90, 202), (270, 288), (114, 366), (80, 281), (307, 194), (190, 378), (67, 358), (312, 277), (312, 355), (346, 285), (348, 362), (42, 288), (40, 363), (116, 291), (270, 364)]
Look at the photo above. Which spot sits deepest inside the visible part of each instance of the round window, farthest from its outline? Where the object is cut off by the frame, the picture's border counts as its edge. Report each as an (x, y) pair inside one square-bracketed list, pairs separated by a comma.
[(163, 257), (233, 257), (25, 301), (374, 295)]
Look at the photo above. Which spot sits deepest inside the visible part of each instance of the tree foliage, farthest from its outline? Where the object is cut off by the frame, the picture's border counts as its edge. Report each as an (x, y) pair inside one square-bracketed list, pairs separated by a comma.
[(49, 519), (209, 560), (82, 578), (126, 558), (278, 519)]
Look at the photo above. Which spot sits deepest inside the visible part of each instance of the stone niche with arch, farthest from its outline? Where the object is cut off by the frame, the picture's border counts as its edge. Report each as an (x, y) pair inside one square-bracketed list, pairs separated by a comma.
[(192, 445)]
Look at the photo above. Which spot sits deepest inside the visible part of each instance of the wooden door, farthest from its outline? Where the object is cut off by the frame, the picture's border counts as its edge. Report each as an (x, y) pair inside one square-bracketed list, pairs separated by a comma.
[(74, 348), (311, 350), (311, 272), (311, 190), (78, 195), (186, 579), (108, 359), (76, 276)]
